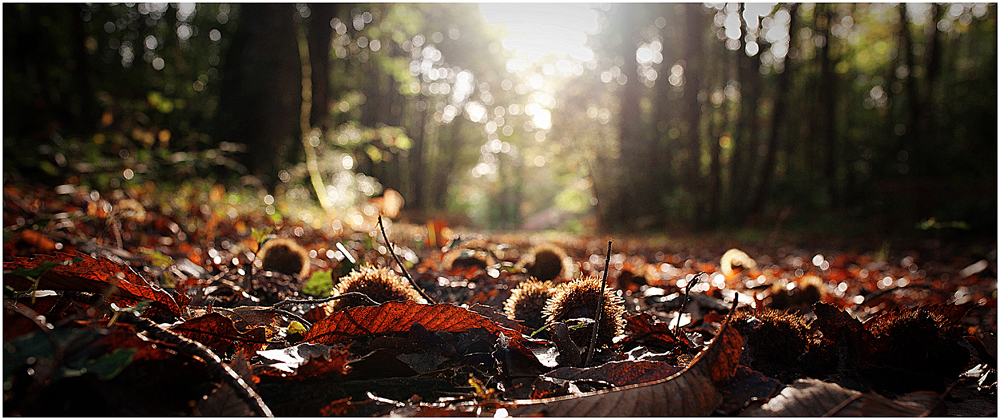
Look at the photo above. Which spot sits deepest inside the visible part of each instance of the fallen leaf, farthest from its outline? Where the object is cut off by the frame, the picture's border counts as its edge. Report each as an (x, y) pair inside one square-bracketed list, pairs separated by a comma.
[(620, 373), (745, 387), (691, 392), (217, 332), (647, 330), (95, 275), (345, 325), (815, 398), (304, 361)]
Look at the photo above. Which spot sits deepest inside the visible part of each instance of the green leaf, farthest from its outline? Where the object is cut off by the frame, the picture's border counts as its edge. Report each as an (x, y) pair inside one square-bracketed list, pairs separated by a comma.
[(110, 365), (261, 235), (320, 284)]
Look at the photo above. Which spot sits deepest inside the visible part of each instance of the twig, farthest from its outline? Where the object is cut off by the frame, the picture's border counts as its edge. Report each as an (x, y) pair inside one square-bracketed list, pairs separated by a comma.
[(600, 308), (287, 302), (214, 363), (687, 293), (400, 264)]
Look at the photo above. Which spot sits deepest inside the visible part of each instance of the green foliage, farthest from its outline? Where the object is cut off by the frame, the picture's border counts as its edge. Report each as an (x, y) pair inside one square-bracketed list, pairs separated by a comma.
[(320, 284)]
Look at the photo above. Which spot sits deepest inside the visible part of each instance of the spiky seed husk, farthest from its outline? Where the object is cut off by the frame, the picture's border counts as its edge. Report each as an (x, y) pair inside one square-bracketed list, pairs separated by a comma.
[(807, 291), (527, 301), (578, 299), (545, 262), (810, 290), (774, 339), (380, 284), (472, 253), (918, 340), (285, 256)]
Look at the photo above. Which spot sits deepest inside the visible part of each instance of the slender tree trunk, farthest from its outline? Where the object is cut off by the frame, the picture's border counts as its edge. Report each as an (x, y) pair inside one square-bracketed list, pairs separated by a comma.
[(827, 102), (415, 193), (912, 135), (261, 92), (636, 149), (319, 36), (446, 165), (748, 125), (777, 121), (694, 54), (927, 122), (663, 113)]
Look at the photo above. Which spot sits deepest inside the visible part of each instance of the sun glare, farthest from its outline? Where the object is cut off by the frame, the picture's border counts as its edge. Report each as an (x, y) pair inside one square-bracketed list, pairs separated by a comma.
[(535, 30), (538, 29)]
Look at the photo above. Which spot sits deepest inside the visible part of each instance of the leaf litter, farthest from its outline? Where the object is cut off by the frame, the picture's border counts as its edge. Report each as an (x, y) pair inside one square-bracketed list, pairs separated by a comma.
[(108, 306)]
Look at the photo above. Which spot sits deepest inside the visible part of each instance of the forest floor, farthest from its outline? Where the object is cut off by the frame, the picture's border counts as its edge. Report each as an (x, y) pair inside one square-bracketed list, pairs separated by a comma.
[(135, 304)]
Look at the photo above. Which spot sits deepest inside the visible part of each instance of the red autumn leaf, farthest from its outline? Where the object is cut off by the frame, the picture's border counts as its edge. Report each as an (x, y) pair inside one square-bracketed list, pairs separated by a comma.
[(95, 275), (217, 332), (391, 317), (124, 336), (645, 328)]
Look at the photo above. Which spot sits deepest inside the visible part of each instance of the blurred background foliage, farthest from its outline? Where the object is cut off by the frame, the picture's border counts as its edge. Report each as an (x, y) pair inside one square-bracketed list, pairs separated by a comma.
[(686, 117)]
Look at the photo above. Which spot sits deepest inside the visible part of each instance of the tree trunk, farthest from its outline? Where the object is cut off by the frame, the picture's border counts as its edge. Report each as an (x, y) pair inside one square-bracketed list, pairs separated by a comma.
[(415, 190), (319, 36), (777, 121), (747, 131), (663, 114), (261, 92), (827, 103), (636, 149), (912, 135), (693, 55)]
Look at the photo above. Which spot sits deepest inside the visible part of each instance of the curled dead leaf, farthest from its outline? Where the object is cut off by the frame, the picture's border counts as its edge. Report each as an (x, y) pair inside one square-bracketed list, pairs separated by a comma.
[(691, 392), (815, 398)]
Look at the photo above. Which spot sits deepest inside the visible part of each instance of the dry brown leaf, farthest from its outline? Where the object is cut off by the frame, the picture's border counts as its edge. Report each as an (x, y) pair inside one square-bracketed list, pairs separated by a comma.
[(692, 392), (815, 398)]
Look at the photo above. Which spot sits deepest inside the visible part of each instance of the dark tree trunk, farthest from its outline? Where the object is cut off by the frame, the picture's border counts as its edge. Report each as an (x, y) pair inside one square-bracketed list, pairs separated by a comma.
[(747, 126), (827, 103), (777, 121), (912, 135), (663, 114), (922, 151), (693, 54), (319, 36), (261, 92), (636, 149), (415, 190), (446, 164)]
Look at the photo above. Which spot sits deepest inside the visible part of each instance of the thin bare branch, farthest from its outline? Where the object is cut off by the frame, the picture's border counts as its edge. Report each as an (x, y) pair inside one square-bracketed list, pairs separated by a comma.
[(400, 263), (600, 308)]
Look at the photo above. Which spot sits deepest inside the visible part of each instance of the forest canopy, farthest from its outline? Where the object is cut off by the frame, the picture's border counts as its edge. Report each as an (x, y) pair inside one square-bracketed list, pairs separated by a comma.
[(671, 117)]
